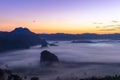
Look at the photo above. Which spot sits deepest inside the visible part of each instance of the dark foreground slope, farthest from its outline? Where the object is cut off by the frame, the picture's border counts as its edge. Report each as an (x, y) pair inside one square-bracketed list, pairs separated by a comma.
[(20, 38)]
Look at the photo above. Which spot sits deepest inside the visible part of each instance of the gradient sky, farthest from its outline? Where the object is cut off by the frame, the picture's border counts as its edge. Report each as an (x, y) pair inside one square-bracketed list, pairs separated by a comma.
[(58, 16)]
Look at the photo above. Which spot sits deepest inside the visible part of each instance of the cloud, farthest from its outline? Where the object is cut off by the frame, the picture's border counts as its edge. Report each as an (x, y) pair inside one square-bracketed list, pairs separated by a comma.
[(97, 23), (97, 26), (33, 21), (107, 29), (115, 21), (118, 27), (110, 25)]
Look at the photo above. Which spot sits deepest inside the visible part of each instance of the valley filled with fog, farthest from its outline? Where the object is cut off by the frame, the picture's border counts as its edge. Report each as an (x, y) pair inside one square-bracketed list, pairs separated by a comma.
[(83, 56)]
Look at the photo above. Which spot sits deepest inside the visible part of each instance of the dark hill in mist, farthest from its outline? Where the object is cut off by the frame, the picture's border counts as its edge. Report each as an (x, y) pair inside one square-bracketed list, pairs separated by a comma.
[(19, 38)]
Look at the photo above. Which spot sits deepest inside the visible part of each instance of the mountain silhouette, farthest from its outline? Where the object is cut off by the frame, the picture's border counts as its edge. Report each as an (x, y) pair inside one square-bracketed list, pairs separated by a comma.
[(19, 38), (21, 30), (63, 36)]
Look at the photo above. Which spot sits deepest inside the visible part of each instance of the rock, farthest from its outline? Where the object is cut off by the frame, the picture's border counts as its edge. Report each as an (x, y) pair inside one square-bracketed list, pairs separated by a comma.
[(47, 56), (44, 43), (14, 77), (34, 78), (1, 74)]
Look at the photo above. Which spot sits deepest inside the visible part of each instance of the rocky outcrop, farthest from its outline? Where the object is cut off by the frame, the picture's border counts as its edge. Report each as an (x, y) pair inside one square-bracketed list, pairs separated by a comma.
[(1, 74), (44, 43), (14, 77), (34, 78), (47, 56)]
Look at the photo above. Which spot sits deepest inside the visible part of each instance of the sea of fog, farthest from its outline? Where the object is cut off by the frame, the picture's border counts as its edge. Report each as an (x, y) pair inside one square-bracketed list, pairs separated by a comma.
[(101, 52), (77, 59)]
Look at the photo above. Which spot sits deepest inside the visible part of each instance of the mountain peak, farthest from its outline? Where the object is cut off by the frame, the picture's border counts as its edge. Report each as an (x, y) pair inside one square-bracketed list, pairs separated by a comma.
[(22, 30)]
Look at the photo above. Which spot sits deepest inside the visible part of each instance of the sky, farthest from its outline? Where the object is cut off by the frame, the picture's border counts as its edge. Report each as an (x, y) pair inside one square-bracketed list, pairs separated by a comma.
[(61, 16)]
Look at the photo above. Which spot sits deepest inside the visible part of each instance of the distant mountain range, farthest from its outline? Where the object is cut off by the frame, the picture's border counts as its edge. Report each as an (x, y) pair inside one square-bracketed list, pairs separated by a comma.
[(22, 38), (62, 36)]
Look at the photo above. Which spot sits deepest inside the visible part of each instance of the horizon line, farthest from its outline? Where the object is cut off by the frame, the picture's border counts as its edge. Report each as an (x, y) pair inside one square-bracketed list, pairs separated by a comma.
[(61, 32), (68, 33)]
